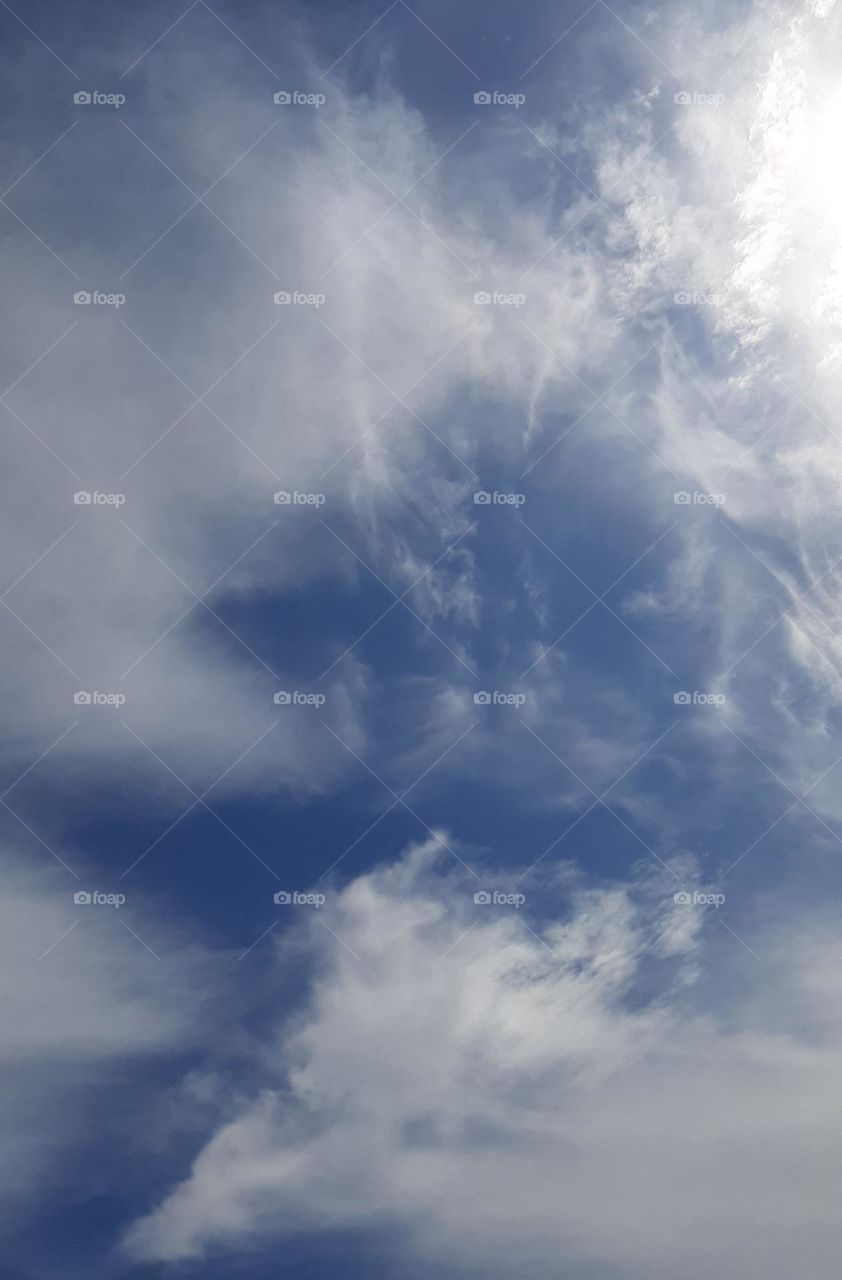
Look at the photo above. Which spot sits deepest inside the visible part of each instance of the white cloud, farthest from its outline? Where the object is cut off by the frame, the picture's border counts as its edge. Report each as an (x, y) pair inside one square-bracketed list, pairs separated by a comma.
[(299, 402), (499, 1093), (494, 1094), (84, 1005), (734, 202)]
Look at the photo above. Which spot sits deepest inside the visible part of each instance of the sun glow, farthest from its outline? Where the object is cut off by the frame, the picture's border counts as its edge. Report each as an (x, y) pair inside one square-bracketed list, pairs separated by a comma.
[(819, 142)]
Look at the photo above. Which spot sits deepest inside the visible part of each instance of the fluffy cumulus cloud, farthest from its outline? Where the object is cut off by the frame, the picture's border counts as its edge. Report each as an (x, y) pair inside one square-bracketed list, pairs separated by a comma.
[(504, 1090)]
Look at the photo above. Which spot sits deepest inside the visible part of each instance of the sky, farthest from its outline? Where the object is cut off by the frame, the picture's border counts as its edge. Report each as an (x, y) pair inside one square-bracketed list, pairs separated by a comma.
[(421, 640)]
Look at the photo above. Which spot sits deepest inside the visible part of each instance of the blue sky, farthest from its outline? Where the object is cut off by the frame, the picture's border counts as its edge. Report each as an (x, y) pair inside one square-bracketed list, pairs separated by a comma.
[(421, 818)]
